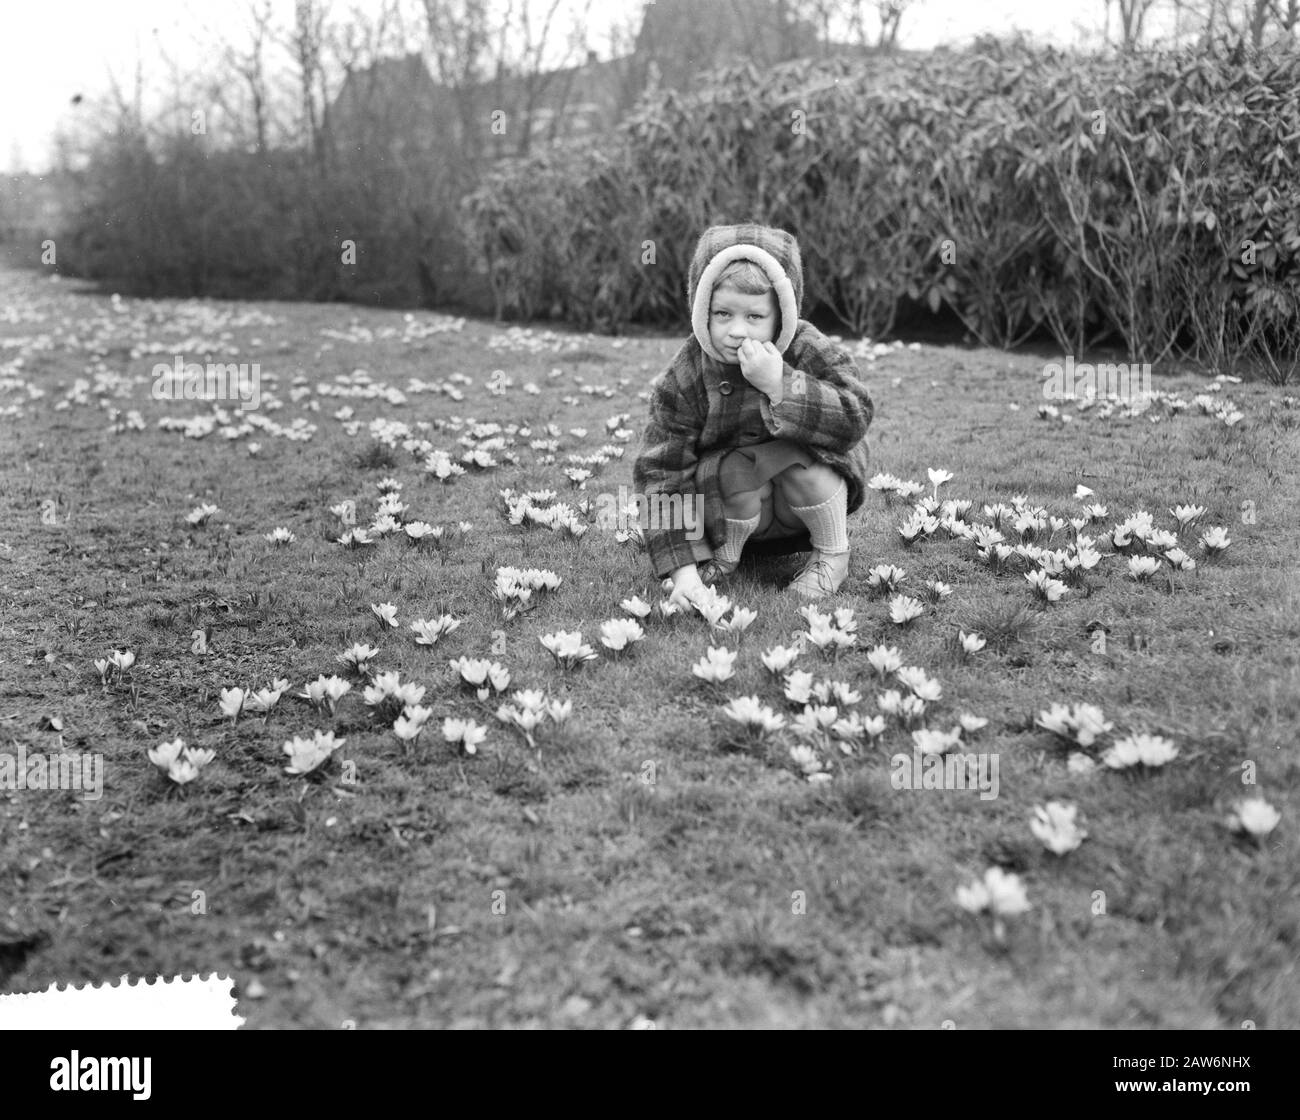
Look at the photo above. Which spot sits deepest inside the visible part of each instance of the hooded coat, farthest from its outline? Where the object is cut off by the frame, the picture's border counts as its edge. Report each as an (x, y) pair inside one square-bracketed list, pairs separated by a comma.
[(701, 407)]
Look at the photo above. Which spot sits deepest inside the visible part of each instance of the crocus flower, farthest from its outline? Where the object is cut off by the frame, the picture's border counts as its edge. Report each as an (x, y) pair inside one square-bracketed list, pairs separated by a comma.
[(971, 643), (122, 659), (1140, 749), (779, 658), (411, 722), (806, 761), (884, 659), (716, 665), (464, 731), (635, 607), (165, 754), (199, 514), (264, 699), (358, 657), (567, 647), (930, 741), (305, 755), (619, 633), (844, 693), (1185, 515), (1045, 586), (798, 686), (314, 691), (741, 619), (1254, 816), (427, 632), (232, 701), (752, 714), (903, 609), (915, 678), (1001, 892), (886, 577), (1054, 825), (1215, 540), (280, 535), (938, 478), (385, 612), (1142, 567)]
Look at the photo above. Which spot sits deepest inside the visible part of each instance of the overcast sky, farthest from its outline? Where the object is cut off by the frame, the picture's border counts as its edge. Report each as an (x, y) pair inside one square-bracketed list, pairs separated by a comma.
[(51, 50)]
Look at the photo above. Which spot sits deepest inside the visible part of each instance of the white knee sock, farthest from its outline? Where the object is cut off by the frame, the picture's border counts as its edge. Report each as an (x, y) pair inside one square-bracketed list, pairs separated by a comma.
[(828, 521), (738, 532)]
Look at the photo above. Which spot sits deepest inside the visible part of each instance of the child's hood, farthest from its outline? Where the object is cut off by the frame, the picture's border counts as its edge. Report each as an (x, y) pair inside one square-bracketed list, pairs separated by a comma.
[(773, 250)]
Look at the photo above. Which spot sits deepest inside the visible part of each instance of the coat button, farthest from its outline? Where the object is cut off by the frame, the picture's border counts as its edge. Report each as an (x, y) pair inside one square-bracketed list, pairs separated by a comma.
[(724, 388)]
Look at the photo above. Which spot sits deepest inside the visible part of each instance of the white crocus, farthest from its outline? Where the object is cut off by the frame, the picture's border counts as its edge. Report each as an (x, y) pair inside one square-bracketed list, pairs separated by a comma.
[(1140, 749), (1253, 816), (1055, 827), (635, 607), (904, 609), (716, 666), (752, 714), (619, 633)]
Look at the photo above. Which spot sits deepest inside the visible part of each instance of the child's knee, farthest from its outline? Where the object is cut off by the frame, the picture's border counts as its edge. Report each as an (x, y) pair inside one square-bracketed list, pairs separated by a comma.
[(745, 504), (807, 486)]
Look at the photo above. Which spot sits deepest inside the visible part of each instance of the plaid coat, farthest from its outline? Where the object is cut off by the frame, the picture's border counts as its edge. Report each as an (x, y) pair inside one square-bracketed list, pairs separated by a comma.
[(695, 420)]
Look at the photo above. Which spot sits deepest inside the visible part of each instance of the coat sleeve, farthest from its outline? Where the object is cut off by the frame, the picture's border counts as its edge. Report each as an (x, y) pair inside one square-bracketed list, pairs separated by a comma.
[(666, 467), (824, 402)]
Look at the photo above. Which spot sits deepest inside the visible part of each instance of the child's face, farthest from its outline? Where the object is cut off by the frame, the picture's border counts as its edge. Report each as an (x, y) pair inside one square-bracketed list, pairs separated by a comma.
[(734, 317)]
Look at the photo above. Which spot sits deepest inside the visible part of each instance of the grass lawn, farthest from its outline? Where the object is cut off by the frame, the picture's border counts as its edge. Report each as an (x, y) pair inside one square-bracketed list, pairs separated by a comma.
[(646, 862)]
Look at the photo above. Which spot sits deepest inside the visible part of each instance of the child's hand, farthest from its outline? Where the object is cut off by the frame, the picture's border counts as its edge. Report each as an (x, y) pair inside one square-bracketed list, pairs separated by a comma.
[(687, 586), (761, 366)]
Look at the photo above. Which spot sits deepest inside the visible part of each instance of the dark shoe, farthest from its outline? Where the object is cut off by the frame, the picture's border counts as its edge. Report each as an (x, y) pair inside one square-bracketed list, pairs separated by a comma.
[(714, 571)]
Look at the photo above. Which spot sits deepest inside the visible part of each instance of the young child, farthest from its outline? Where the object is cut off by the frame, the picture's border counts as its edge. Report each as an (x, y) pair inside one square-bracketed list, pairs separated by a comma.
[(760, 415)]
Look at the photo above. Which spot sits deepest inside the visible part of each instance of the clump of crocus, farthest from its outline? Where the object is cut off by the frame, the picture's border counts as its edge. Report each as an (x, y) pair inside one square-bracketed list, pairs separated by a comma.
[(358, 658), (1140, 750), (482, 675), (568, 648), (180, 763), (753, 716), (1000, 893), (1083, 724), (619, 634), (387, 695), (305, 754), (465, 732), (427, 632)]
